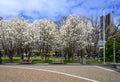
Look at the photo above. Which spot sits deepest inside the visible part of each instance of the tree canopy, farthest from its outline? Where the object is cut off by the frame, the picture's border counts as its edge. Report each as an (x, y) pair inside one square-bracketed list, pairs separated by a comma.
[(19, 35)]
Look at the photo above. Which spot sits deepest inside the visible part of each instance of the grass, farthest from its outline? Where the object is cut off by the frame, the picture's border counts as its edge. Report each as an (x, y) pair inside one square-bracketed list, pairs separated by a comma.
[(17, 59), (39, 60), (56, 58), (5, 58), (92, 60)]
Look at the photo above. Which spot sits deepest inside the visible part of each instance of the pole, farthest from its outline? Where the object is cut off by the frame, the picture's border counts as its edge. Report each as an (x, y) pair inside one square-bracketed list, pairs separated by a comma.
[(103, 37), (114, 46), (114, 59)]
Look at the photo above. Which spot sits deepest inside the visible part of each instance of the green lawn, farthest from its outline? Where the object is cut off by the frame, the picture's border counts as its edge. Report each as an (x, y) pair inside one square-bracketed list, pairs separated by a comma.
[(17, 59), (92, 60), (14, 58), (38, 59)]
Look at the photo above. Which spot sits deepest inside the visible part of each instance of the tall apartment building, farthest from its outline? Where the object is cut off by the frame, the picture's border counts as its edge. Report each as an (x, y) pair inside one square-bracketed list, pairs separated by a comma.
[(109, 22)]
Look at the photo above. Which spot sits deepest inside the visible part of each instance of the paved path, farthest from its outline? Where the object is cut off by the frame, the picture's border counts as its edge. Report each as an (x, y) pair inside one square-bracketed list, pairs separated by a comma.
[(12, 74), (92, 72)]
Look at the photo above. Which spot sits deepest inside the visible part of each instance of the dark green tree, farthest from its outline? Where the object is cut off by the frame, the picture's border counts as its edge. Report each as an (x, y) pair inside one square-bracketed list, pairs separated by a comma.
[(109, 50)]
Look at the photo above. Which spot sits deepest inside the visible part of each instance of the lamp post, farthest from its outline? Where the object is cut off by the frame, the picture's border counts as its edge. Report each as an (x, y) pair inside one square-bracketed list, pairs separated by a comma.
[(103, 36), (114, 38), (114, 59)]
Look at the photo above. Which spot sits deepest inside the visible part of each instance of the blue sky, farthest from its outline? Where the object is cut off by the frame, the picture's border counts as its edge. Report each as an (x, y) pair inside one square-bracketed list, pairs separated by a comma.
[(55, 9)]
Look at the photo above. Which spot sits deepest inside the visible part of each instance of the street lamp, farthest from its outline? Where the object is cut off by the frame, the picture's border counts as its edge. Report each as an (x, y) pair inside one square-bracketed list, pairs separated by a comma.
[(114, 49), (103, 35), (114, 59)]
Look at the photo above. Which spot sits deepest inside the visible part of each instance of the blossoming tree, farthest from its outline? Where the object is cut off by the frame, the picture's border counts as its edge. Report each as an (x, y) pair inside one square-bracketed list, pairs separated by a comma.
[(74, 34)]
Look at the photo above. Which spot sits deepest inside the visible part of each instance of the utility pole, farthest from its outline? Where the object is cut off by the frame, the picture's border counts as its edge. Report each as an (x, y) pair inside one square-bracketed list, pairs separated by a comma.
[(104, 35), (114, 46)]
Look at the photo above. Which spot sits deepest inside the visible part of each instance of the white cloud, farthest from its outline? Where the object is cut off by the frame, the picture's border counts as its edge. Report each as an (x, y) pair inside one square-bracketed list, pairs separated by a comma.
[(51, 8)]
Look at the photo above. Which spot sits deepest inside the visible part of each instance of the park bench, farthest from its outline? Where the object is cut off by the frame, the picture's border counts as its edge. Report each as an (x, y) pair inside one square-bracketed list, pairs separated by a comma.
[(57, 61), (25, 62), (76, 60)]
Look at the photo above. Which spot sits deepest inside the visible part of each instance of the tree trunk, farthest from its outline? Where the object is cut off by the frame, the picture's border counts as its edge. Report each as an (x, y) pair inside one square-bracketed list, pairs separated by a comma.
[(29, 55), (10, 55), (0, 57), (20, 51), (0, 60)]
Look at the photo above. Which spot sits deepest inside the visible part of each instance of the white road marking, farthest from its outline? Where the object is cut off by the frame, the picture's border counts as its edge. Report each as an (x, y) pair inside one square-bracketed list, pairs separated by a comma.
[(105, 69), (53, 72)]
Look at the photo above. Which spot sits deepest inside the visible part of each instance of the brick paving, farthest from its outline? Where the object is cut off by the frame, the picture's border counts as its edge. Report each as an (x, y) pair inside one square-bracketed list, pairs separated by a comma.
[(88, 72), (8, 74), (91, 72)]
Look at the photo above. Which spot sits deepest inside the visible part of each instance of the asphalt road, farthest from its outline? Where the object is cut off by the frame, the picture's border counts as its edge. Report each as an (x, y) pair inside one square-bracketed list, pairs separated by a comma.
[(87, 71)]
